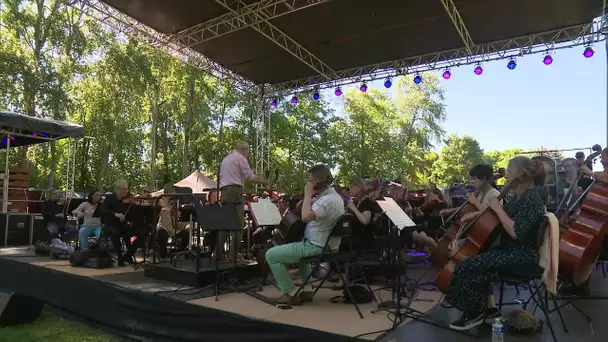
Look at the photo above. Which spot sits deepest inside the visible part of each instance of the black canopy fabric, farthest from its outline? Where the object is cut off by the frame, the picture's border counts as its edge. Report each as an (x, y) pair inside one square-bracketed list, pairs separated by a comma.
[(29, 130)]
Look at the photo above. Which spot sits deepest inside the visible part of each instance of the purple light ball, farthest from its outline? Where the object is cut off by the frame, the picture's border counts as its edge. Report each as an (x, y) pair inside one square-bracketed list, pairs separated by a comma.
[(548, 60), (478, 70), (588, 52), (447, 74)]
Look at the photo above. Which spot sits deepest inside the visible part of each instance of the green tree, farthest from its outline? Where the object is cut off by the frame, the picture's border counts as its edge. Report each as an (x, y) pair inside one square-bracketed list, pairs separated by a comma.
[(457, 157), (499, 159)]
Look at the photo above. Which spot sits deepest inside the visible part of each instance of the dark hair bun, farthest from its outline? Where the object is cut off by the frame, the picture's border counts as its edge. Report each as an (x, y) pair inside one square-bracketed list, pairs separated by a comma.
[(539, 173)]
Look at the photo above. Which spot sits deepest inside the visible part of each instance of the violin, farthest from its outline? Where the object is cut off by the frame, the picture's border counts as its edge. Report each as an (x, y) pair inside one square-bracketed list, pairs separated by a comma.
[(481, 231), (583, 237)]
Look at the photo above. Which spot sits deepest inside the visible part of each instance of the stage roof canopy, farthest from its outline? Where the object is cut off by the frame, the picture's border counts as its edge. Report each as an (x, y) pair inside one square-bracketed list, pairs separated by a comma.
[(22, 130), (277, 41)]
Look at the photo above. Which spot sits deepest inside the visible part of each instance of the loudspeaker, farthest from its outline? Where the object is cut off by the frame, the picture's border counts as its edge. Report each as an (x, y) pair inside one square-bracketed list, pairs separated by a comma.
[(16, 309)]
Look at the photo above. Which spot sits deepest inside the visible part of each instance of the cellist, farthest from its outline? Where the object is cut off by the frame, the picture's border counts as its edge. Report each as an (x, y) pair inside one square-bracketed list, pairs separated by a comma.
[(515, 254), (601, 176)]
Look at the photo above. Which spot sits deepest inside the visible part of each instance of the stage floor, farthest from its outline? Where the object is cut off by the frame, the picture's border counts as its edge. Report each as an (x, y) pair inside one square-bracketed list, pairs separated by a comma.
[(340, 318)]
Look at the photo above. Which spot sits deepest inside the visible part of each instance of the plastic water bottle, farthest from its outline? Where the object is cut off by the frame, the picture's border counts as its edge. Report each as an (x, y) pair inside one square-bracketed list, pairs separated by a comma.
[(497, 335)]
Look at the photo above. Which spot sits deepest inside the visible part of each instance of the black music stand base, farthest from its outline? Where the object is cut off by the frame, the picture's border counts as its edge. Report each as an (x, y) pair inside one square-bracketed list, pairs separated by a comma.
[(218, 274)]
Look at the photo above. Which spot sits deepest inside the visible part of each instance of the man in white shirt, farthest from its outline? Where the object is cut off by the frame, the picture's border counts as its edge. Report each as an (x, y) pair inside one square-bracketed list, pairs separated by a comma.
[(320, 216), (234, 172)]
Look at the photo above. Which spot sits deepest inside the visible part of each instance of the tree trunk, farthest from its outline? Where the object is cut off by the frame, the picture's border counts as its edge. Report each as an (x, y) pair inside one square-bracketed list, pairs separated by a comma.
[(83, 165), (104, 165), (186, 129), (155, 113)]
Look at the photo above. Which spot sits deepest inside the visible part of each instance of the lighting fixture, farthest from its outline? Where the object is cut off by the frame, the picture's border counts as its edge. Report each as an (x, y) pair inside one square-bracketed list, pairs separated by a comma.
[(588, 52), (338, 92), (446, 74), (512, 64), (363, 87), (418, 79), (547, 60), (388, 83), (273, 104), (294, 99), (478, 70), (315, 95)]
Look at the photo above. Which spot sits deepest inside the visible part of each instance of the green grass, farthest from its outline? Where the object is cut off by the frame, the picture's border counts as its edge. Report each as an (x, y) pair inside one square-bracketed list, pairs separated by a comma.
[(50, 328)]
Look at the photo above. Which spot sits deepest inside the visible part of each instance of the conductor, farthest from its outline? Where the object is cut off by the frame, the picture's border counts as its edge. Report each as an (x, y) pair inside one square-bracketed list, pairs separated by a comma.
[(234, 172)]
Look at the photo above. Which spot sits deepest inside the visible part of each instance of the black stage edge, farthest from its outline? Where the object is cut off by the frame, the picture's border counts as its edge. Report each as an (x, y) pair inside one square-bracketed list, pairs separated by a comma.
[(143, 316), (185, 272)]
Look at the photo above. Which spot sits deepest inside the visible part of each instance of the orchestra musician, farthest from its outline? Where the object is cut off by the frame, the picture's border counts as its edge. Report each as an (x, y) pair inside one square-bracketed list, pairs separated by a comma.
[(320, 216), (601, 176), (586, 180), (114, 208), (516, 252), (53, 212), (90, 212), (234, 171), (364, 208), (481, 179), (167, 225)]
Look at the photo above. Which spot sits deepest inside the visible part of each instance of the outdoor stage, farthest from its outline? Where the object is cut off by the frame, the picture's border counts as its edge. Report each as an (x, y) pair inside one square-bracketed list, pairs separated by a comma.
[(125, 302)]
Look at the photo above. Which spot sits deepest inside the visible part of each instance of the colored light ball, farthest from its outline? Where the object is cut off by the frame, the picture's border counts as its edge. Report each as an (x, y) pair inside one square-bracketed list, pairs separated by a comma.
[(478, 70), (418, 79), (388, 84), (338, 92), (446, 75), (548, 60), (588, 52), (273, 104), (315, 95), (363, 88), (512, 65), (294, 100)]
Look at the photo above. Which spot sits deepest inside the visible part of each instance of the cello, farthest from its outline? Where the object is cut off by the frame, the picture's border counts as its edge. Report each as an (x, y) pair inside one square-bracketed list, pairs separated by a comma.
[(582, 241), (440, 255), (481, 230)]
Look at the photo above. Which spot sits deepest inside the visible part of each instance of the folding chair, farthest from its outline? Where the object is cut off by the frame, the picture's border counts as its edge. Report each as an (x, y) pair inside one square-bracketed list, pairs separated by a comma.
[(342, 229), (538, 291)]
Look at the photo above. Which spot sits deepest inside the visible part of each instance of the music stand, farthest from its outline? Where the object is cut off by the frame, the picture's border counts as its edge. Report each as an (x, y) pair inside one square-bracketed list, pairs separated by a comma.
[(217, 218), (264, 214), (148, 214), (398, 221)]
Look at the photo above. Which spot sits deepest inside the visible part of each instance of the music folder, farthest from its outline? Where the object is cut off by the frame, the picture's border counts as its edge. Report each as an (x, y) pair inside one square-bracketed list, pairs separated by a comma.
[(217, 217), (265, 213), (395, 213)]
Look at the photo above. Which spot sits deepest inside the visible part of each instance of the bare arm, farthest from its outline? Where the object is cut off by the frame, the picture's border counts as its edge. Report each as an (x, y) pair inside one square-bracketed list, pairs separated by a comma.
[(308, 214)]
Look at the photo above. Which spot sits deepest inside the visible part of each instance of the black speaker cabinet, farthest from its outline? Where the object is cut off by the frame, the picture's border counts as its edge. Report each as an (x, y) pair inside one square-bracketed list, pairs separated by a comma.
[(18, 309)]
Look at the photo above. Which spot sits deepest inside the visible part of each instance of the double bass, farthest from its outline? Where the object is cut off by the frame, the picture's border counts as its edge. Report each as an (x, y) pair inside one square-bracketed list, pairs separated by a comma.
[(583, 237), (481, 231)]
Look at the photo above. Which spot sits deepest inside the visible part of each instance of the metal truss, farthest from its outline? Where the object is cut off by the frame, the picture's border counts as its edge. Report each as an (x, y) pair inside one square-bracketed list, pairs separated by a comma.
[(258, 20), (123, 23), (450, 7), (70, 170), (544, 42), (262, 134), (234, 21)]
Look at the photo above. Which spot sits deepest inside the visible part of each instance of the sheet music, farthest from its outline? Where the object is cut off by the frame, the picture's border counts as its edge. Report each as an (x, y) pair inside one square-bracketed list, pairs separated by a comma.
[(395, 213), (266, 213)]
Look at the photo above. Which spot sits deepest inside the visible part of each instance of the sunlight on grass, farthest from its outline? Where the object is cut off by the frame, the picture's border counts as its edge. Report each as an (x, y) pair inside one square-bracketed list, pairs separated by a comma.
[(50, 328)]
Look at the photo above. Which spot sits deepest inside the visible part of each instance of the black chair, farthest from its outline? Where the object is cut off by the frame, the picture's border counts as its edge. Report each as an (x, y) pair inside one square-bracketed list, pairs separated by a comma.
[(538, 291), (341, 229)]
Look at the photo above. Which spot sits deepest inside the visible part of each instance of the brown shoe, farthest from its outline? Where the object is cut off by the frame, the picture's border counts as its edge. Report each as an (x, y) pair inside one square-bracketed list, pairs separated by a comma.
[(306, 296), (286, 299)]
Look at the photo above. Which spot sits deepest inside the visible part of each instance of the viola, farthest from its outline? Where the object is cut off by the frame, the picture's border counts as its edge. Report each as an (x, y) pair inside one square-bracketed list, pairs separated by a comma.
[(583, 237), (480, 236)]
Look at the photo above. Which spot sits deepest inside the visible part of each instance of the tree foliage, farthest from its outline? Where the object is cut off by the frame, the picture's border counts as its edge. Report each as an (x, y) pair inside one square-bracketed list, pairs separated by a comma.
[(153, 119)]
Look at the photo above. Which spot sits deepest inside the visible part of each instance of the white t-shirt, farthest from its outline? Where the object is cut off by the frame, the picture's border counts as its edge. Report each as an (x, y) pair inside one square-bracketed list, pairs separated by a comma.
[(328, 208), (485, 198)]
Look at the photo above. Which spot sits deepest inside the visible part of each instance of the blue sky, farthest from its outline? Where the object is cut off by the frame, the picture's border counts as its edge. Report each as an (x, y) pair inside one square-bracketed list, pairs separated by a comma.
[(559, 106)]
